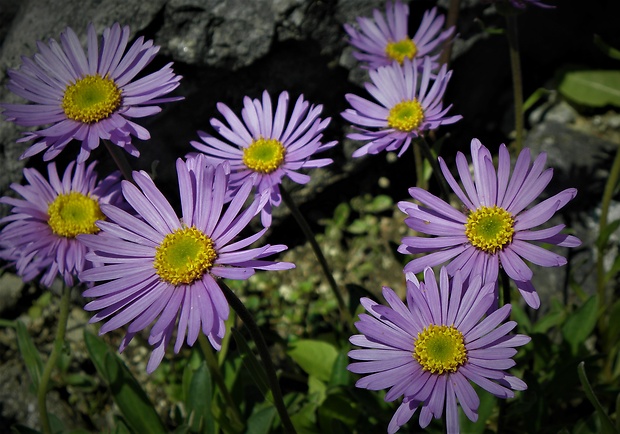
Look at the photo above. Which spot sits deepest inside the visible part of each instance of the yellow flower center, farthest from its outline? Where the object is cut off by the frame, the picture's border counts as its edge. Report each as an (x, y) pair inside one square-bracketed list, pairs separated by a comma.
[(184, 256), (440, 348), (406, 116), (490, 228), (264, 155), (91, 99), (74, 213), (401, 49)]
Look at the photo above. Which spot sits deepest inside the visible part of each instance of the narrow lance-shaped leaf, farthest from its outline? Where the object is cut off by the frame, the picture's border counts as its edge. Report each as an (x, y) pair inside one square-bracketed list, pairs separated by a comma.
[(131, 400), (606, 424), (32, 358)]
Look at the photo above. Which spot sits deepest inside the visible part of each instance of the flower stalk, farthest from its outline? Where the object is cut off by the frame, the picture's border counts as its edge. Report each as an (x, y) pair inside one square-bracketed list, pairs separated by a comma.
[(426, 149), (120, 159), (517, 83), (59, 341), (345, 316), (263, 351), (608, 193), (216, 373)]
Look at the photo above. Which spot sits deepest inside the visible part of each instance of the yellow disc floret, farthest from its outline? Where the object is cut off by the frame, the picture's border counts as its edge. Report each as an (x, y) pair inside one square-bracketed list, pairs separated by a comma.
[(91, 99), (264, 155), (74, 213), (490, 228), (184, 256), (440, 348), (406, 116), (401, 49)]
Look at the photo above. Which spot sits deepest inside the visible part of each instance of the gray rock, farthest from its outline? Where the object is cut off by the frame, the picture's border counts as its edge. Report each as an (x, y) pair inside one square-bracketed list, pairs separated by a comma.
[(10, 291)]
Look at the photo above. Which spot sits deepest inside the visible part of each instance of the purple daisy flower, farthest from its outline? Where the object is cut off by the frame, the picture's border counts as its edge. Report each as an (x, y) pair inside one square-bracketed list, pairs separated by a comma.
[(384, 39), (429, 350), (496, 229), (409, 104), (265, 147), (87, 96), (159, 267), (40, 233)]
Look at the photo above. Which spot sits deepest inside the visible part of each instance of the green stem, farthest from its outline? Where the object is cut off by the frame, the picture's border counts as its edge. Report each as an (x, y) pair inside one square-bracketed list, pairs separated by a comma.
[(453, 16), (426, 149), (263, 351), (418, 160), (214, 367), (517, 84), (120, 159), (59, 341), (608, 193), (305, 227)]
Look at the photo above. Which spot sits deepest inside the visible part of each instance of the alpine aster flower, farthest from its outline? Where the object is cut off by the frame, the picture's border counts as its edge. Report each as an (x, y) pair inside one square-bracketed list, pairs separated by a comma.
[(496, 229), (430, 349), (382, 40), (40, 233), (410, 104), (265, 147), (159, 267), (87, 96)]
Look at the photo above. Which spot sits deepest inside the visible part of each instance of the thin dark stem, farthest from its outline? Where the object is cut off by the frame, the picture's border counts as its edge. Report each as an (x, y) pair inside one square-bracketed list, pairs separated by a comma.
[(263, 351), (517, 84), (305, 227), (214, 368), (120, 159), (608, 193), (426, 149), (453, 16), (59, 341), (505, 299), (418, 160)]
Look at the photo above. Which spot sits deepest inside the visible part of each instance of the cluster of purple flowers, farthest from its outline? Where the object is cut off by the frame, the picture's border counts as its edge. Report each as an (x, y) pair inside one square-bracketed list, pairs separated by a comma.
[(406, 79), (147, 267), (448, 334), (144, 265)]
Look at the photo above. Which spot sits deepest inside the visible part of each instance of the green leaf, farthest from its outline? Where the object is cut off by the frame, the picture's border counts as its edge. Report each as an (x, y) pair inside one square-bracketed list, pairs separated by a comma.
[(613, 328), (340, 375), (520, 316), (22, 429), (606, 425), (260, 422), (314, 357), (603, 238), (254, 367), (580, 323), (341, 214), (131, 400), (358, 227), (120, 427), (535, 97), (198, 401), (304, 420), (337, 407), (32, 358), (615, 269), (379, 203), (605, 48), (595, 88), (317, 390), (485, 411), (556, 316)]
